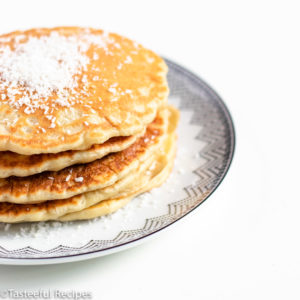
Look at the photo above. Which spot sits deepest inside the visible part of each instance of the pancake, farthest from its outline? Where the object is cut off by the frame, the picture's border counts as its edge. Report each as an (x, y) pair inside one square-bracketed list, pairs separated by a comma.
[(50, 210), (69, 88), (14, 164), (149, 174), (95, 175), (154, 179)]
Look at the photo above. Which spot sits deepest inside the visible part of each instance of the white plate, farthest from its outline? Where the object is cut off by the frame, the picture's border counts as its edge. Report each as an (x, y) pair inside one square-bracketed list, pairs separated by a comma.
[(205, 149)]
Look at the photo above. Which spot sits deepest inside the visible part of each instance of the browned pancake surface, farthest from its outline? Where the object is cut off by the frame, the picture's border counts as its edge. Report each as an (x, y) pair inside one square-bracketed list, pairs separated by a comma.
[(83, 177)]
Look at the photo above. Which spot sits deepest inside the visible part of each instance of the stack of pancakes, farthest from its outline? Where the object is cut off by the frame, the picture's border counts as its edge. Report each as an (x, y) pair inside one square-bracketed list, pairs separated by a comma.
[(84, 123)]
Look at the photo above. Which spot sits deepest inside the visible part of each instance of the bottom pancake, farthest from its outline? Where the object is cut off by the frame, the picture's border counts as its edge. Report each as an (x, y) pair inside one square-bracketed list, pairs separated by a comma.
[(149, 173)]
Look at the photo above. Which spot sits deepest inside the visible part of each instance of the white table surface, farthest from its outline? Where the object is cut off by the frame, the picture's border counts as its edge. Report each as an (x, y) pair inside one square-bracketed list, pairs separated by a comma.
[(243, 243)]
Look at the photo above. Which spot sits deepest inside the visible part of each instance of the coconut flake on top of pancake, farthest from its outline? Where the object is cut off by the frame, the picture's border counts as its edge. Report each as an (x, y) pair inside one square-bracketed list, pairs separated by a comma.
[(68, 88)]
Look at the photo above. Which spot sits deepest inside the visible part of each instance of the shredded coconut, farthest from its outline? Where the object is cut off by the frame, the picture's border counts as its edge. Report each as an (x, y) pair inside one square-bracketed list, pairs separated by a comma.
[(34, 70), (7, 226), (128, 60), (78, 179), (112, 90)]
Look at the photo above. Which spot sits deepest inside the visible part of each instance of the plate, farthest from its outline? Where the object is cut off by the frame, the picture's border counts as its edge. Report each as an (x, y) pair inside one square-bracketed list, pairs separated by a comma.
[(206, 142)]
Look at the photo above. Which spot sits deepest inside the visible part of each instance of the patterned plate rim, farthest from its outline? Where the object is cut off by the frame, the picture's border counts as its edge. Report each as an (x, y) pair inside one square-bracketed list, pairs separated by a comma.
[(190, 75)]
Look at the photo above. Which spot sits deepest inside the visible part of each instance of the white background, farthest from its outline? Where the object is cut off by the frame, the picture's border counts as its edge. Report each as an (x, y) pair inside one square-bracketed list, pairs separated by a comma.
[(243, 243)]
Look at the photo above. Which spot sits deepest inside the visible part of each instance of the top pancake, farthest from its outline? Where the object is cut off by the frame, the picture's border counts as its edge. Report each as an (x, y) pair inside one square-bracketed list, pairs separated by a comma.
[(68, 88)]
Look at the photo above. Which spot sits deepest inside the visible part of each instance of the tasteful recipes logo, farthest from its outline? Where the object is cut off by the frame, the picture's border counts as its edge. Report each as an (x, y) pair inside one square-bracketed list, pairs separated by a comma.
[(45, 294)]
